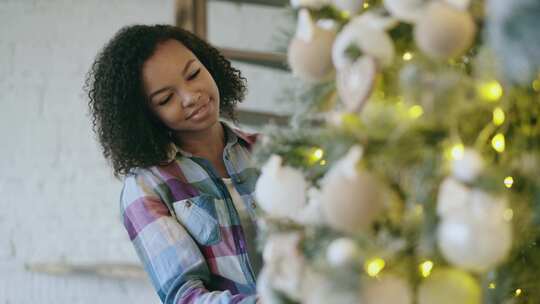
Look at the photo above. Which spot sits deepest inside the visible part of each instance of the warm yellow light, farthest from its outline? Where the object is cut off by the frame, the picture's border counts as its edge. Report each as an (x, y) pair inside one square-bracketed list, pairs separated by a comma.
[(491, 90), (498, 116), (498, 143), (508, 214), (416, 111), (323, 162), (319, 153), (518, 292), (456, 152), (536, 85), (425, 268), (418, 210), (366, 5), (492, 285), (345, 14), (407, 56), (374, 266), (508, 181)]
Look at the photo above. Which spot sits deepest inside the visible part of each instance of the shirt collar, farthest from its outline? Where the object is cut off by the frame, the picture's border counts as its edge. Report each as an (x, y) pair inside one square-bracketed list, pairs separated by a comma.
[(232, 135)]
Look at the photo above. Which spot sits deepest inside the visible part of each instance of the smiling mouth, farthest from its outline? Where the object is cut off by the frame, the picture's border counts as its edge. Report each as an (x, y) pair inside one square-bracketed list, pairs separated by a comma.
[(199, 110)]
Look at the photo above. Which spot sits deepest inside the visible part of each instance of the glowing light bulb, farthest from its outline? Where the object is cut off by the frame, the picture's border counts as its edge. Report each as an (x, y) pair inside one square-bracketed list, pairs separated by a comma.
[(416, 111), (508, 181), (457, 151), (498, 116), (323, 162), (366, 5), (425, 268), (536, 85), (374, 266), (498, 143), (491, 90), (518, 292), (492, 285), (407, 56)]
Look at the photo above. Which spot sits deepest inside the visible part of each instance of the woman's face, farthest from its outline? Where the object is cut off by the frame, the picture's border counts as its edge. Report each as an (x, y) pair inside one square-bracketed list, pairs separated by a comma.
[(180, 90)]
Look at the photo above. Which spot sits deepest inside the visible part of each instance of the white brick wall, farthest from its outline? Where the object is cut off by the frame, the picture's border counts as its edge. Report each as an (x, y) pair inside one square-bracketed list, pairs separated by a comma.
[(58, 199)]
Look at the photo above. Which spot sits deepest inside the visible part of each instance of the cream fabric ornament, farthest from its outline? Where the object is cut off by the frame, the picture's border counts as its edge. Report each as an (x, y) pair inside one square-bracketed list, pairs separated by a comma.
[(351, 6), (460, 4), (284, 263), (406, 10), (314, 4), (312, 213), (444, 31), (356, 82), (351, 199), (280, 190), (452, 198), (449, 286), (368, 37), (310, 52), (480, 238), (467, 167), (388, 289), (342, 252), (318, 288)]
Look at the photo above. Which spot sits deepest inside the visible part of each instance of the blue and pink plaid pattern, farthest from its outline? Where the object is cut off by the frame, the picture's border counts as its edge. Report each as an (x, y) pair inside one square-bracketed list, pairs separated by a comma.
[(185, 229)]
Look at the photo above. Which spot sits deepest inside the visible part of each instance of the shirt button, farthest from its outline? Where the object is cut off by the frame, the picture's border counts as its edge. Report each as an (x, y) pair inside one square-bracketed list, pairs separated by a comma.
[(188, 204), (253, 205)]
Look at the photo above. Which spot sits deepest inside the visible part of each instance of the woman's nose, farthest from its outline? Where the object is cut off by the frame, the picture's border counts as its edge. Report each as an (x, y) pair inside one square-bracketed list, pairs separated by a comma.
[(190, 98)]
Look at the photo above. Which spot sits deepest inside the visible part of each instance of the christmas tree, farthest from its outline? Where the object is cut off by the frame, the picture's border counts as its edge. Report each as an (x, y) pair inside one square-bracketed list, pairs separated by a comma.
[(413, 174)]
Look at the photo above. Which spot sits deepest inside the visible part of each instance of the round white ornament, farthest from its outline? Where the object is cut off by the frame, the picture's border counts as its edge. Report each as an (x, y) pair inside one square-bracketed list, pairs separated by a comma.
[(444, 31), (449, 286), (350, 199), (467, 167), (369, 39), (388, 289), (280, 190), (355, 83), (480, 237), (342, 252), (310, 52)]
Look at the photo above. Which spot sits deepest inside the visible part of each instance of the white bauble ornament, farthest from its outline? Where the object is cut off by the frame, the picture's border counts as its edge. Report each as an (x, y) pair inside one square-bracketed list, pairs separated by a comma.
[(444, 31), (406, 10), (310, 52), (351, 199), (351, 6), (280, 190), (467, 167), (314, 4), (452, 198), (449, 286), (284, 263), (376, 20), (356, 82), (342, 252), (478, 239), (370, 40), (388, 289)]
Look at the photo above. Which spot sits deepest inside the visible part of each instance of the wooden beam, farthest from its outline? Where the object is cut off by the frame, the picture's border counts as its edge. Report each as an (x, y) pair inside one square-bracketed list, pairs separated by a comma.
[(191, 15), (267, 59), (258, 119)]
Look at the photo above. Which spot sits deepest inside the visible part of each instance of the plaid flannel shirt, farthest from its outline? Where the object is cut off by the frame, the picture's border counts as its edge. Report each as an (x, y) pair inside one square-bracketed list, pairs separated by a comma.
[(185, 229)]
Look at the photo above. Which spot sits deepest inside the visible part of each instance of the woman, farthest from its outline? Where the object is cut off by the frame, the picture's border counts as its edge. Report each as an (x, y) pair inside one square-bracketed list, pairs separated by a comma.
[(156, 94)]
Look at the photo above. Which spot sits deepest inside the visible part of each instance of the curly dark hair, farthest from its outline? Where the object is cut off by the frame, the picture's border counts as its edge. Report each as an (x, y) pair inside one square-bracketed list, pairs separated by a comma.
[(129, 136)]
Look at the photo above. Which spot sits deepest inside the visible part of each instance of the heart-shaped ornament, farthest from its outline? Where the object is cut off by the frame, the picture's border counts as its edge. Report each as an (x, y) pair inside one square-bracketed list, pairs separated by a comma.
[(355, 82)]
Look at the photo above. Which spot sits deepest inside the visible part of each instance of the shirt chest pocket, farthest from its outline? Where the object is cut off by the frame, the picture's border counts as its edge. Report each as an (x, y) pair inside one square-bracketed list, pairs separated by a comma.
[(196, 214)]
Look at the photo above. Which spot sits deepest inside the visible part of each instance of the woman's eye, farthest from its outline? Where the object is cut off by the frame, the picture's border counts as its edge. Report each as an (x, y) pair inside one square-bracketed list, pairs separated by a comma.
[(194, 74), (165, 100)]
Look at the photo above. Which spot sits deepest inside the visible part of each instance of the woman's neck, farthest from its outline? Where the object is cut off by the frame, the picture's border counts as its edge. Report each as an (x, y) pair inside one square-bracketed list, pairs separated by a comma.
[(207, 143)]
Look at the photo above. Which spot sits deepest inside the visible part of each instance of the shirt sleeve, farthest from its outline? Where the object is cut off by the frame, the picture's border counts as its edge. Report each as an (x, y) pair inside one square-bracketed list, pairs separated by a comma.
[(177, 269)]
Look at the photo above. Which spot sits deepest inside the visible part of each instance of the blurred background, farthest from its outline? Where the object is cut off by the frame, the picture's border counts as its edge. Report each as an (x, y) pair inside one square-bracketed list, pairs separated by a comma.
[(61, 239)]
